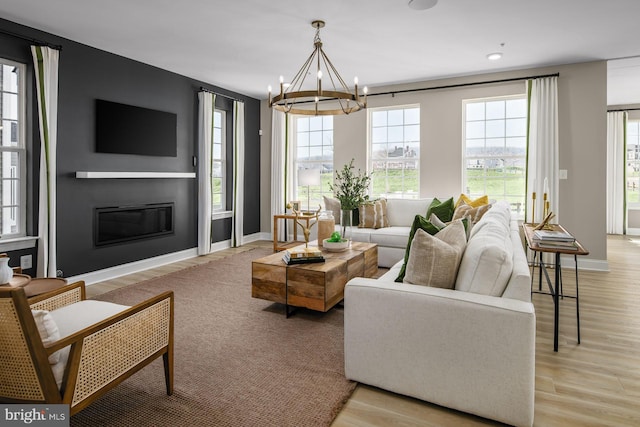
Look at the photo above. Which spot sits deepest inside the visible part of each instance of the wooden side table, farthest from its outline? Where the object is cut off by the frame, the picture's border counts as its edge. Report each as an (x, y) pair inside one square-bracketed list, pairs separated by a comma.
[(280, 246), (555, 286)]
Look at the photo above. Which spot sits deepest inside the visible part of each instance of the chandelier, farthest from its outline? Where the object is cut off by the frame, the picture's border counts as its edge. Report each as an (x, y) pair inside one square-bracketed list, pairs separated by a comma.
[(310, 97)]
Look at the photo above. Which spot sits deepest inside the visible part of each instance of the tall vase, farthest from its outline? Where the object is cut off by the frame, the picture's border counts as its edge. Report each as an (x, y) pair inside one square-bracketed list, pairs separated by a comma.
[(6, 272), (346, 221)]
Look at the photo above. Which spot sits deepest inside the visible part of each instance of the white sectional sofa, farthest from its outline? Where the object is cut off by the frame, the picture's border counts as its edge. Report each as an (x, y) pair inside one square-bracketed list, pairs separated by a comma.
[(471, 348), (392, 240)]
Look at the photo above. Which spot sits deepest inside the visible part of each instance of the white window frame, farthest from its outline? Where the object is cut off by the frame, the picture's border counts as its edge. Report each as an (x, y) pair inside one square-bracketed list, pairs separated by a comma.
[(517, 212), (301, 191), (413, 158), (21, 151), (627, 160), (217, 210)]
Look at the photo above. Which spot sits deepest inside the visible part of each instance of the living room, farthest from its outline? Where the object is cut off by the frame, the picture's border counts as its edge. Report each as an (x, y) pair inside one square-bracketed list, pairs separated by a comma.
[(89, 73)]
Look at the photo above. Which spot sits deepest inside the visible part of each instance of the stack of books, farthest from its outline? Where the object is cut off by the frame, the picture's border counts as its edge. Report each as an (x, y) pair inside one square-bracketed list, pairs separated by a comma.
[(555, 239), (302, 256)]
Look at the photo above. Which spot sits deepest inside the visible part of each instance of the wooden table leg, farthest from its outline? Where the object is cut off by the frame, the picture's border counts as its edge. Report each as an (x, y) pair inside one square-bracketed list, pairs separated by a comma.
[(275, 234)]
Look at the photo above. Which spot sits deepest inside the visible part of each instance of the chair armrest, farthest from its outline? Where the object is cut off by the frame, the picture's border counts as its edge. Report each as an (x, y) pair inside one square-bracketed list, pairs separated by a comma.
[(60, 297), (111, 350)]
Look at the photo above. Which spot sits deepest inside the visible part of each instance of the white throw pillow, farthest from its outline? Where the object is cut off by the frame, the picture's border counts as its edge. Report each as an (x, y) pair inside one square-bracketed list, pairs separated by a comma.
[(434, 260), (48, 330)]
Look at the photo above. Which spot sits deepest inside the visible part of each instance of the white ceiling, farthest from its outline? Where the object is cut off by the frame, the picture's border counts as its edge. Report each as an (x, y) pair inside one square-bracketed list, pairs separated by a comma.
[(244, 45)]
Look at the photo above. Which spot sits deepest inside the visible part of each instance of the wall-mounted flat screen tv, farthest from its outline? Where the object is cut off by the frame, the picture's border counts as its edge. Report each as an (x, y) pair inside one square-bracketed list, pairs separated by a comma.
[(127, 129)]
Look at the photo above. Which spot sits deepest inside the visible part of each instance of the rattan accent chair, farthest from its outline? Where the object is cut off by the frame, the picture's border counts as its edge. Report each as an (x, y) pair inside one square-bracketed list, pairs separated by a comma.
[(94, 358)]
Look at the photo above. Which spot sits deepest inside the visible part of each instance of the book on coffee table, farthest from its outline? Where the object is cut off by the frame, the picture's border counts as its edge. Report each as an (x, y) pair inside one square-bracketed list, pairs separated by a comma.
[(302, 256)]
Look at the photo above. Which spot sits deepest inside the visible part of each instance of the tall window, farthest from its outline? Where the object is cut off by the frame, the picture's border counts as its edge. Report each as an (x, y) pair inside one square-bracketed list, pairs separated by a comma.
[(314, 150), (495, 149), (218, 196), (633, 162), (12, 149), (394, 144)]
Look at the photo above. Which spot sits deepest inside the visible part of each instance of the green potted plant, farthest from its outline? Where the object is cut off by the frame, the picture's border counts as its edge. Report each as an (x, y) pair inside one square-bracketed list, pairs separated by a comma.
[(351, 189)]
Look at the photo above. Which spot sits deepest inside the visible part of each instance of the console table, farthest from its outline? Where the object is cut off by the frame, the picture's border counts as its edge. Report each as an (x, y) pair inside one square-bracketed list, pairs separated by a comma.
[(555, 286)]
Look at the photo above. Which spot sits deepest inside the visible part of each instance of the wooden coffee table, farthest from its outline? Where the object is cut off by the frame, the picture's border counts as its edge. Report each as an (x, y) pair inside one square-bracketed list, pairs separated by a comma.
[(316, 286)]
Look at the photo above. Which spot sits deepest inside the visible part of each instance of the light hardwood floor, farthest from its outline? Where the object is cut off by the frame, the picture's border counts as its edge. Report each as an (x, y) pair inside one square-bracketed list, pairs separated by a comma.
[(596, 383)]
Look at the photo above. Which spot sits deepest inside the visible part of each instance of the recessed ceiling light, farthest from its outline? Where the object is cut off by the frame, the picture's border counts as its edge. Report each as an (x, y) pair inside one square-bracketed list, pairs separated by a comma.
[(494, 56), (422, 4)]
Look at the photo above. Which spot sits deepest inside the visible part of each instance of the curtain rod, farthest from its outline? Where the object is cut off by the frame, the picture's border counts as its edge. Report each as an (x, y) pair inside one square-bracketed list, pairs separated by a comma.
[(32, 40), (220, 94), (623, 109), (514, 79)]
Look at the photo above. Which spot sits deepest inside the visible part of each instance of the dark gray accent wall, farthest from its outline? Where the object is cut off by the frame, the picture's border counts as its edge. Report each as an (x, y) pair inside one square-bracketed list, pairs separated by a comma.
[(87, 74)]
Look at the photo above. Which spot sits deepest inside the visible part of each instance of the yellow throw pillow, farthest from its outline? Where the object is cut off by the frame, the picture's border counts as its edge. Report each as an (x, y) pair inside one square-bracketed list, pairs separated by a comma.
[(480, 201)]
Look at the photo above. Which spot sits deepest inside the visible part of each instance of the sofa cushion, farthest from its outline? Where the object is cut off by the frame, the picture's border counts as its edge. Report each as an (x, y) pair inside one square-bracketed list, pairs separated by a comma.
[(443, 210), (373, 214), (419, 223), (75, 317), (466, 221), (480, 201), (391, 237), (402, 211), (499, 213), (474, 213), (487, 262), (332, 204), (48, 330), (434, 260)]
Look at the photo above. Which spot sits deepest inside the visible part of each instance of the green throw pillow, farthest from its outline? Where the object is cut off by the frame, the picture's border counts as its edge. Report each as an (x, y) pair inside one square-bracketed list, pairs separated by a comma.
[(419, 222), (443, 210)]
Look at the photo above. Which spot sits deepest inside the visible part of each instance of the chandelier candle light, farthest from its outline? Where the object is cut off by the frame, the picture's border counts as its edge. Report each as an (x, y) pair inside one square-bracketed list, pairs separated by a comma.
[(312, 99)]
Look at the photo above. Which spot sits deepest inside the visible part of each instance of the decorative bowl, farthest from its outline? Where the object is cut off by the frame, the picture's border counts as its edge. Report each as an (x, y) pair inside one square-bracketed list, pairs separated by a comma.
[(335, 246)]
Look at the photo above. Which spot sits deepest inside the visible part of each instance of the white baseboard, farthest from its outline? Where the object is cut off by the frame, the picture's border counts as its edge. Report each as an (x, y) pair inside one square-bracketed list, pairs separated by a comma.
[(146, 264), (584, 263), (633, 231)]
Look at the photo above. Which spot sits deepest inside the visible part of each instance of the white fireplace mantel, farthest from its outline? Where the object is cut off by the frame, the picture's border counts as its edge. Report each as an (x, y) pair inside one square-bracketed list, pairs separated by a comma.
[(107, 175)]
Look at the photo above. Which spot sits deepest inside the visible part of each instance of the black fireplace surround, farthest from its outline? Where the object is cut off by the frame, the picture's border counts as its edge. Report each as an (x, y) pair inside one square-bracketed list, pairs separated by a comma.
[(126, 223)]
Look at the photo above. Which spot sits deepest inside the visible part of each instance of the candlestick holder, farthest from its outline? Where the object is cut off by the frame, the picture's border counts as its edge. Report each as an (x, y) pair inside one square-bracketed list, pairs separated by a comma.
[(533, 208)]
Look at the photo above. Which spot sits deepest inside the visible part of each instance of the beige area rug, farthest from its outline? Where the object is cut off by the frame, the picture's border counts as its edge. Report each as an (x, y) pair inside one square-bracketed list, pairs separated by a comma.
[(238, 360)]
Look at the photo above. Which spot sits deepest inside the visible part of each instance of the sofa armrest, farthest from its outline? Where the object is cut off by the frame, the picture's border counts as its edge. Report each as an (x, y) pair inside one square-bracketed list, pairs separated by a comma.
[(470, 352)]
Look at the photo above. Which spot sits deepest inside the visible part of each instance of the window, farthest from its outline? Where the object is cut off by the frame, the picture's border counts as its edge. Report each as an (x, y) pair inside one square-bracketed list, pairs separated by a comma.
[(12, 149), (218, 159), (495, 149), (314, 150), (394, 147), (633, 162)]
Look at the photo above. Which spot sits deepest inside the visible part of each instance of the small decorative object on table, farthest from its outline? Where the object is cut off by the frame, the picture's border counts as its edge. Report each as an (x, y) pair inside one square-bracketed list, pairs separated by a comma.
[(336, 243), (6, 273), (306, 231), (351, 190), (326, 226)]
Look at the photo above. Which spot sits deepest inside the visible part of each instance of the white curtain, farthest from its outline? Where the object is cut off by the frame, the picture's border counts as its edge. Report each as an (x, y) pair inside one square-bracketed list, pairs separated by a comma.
[(543, 146), (616, 149), (46, 61), (206, 104), (237, 229), (278, 167)]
